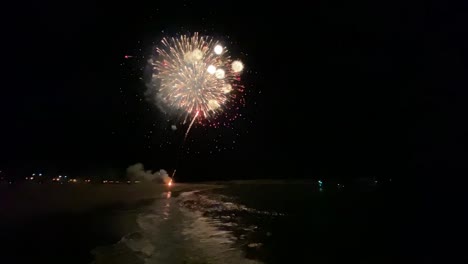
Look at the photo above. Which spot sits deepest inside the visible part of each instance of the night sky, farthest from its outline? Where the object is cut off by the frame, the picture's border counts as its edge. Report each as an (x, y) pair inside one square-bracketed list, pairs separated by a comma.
[(332, 89)]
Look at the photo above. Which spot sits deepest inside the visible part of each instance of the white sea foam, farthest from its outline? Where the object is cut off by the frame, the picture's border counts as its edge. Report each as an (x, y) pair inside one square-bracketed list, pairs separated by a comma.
[(170, 233)]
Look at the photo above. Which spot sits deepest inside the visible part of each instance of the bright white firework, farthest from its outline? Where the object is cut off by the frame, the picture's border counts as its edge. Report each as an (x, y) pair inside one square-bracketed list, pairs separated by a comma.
[(197, 54), (227, 88), (194, 76), (194, 56), (219, 73), (213, 105), (211, 69), (237, 66), (218, 49)]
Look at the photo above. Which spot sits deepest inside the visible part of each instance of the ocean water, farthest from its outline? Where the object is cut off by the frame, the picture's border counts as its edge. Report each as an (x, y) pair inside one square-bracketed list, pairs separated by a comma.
[(243, 222), (267, 223)]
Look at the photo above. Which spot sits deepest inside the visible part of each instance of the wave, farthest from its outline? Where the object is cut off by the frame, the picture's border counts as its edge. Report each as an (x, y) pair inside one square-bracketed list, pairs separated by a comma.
[(174, 230)]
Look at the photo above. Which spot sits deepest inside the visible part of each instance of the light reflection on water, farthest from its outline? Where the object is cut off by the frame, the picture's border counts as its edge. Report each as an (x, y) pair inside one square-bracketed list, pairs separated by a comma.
[(176, 229), (167, 206)]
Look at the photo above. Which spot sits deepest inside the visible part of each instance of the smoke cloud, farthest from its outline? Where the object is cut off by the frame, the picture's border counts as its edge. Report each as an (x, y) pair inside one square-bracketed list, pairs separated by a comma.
[(137, 172)]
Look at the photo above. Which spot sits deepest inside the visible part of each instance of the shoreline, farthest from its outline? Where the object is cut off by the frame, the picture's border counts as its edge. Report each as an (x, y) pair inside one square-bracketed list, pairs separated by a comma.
[(33, 200)]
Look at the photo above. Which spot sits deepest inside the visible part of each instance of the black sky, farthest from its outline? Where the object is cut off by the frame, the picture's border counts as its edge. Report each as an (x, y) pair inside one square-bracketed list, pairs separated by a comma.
[(334, 88)]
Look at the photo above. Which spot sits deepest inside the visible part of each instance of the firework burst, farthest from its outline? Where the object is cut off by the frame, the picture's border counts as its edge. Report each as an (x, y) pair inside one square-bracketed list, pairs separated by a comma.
[(195, 78)]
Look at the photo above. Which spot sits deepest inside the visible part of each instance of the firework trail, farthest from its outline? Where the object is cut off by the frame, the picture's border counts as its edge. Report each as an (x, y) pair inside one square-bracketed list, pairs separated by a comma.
[(190, 126)]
